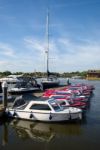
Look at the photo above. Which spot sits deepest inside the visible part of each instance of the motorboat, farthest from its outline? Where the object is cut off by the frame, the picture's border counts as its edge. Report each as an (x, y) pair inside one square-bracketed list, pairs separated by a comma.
[(17, 84), (24, 87), (71, 103), (11, 80), (42, 110)]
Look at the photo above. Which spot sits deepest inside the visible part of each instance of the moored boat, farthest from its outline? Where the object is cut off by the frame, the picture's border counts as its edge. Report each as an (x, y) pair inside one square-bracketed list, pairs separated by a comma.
[(42, 110)]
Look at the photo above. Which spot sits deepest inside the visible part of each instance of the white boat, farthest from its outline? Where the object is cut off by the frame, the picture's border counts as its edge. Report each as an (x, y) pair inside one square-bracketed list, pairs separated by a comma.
[(11, 80), (42, 110), (19, 84), (51, 80), (22, 90)]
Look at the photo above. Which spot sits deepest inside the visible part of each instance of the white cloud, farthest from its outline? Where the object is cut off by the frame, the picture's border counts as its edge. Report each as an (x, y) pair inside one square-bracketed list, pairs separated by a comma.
[(84, 56), (6, 50), (64, 56), (35, 45)]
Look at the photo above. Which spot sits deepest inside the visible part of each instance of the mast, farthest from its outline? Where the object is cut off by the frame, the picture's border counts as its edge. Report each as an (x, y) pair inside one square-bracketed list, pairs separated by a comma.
[(47, 47)]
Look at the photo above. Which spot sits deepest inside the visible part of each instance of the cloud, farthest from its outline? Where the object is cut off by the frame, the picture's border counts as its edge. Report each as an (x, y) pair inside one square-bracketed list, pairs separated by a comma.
[(34, 44), (2, 62), (67, 55), (6, 50), (82, 56)]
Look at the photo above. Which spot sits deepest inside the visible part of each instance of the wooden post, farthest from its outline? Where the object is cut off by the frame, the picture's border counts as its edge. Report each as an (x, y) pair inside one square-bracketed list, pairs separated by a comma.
[(4, 89), (5, 135)]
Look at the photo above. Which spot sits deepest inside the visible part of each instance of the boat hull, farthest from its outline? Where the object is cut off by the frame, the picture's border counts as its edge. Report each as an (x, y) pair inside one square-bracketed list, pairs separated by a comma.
[(45, 117), (22, 90), (46, 85)]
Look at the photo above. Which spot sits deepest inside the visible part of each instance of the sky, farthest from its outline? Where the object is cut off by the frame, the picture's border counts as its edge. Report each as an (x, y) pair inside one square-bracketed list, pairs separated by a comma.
[(74, 35)]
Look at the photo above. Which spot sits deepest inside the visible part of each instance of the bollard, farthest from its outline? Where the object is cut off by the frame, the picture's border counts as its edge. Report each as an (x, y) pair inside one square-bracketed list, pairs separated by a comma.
[(68, 83), (4, 89)]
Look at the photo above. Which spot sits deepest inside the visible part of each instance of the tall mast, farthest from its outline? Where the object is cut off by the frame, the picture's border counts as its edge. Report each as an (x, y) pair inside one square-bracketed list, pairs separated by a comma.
[(47, 48)]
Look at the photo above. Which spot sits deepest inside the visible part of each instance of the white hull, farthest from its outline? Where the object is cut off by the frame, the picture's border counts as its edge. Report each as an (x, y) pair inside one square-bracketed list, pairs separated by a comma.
[(46, 117), (22, 90)]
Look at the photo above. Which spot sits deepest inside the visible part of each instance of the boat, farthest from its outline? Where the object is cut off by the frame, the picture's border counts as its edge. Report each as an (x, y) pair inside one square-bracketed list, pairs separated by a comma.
[(17, 84), (48, 110), (71, 103), (51, 80), (11, 80)]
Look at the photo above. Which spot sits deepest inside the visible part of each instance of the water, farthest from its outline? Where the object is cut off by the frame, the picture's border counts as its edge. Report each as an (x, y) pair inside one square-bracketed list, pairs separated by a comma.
[(29, 135)]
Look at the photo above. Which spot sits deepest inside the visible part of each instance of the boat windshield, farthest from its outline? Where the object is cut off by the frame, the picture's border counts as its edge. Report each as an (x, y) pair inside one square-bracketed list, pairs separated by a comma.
[(55, 105), (19, 102)]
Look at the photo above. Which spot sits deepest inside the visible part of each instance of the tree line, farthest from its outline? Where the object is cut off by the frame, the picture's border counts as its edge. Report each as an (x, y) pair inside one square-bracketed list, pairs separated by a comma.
[(76, 74)]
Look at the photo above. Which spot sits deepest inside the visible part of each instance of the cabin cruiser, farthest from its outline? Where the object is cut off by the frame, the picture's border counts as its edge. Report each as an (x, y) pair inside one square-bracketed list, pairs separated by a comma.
[(11, 80), (48, 110), (20, 84)]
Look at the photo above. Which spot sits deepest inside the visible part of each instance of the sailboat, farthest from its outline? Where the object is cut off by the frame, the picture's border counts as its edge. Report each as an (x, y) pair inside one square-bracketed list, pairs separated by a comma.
[(51, 80)]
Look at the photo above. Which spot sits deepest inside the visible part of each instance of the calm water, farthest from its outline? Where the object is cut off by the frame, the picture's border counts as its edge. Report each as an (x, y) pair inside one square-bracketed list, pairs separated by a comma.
[(83, 135)]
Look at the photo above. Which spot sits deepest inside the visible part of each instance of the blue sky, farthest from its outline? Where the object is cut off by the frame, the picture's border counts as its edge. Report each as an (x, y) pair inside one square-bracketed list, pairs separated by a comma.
[(74, 33)]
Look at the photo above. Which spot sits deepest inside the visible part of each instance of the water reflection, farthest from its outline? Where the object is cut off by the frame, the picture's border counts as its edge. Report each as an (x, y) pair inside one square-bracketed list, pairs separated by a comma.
[(39, 131)]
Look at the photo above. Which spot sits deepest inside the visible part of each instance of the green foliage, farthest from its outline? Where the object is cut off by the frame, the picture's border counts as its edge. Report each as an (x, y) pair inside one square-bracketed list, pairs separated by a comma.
[(43, 74), (5, 73)]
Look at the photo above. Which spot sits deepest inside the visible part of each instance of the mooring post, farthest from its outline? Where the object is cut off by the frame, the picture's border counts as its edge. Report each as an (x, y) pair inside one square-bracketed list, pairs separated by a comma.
[(5, 135), (4, 89)]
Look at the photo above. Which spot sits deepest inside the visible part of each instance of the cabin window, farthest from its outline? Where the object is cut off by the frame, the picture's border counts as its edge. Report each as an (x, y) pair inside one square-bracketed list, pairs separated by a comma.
[(11, 82), (40, 107)]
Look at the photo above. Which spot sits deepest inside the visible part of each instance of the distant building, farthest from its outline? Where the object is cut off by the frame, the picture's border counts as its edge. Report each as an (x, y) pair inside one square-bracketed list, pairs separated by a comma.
[(93, 74)]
